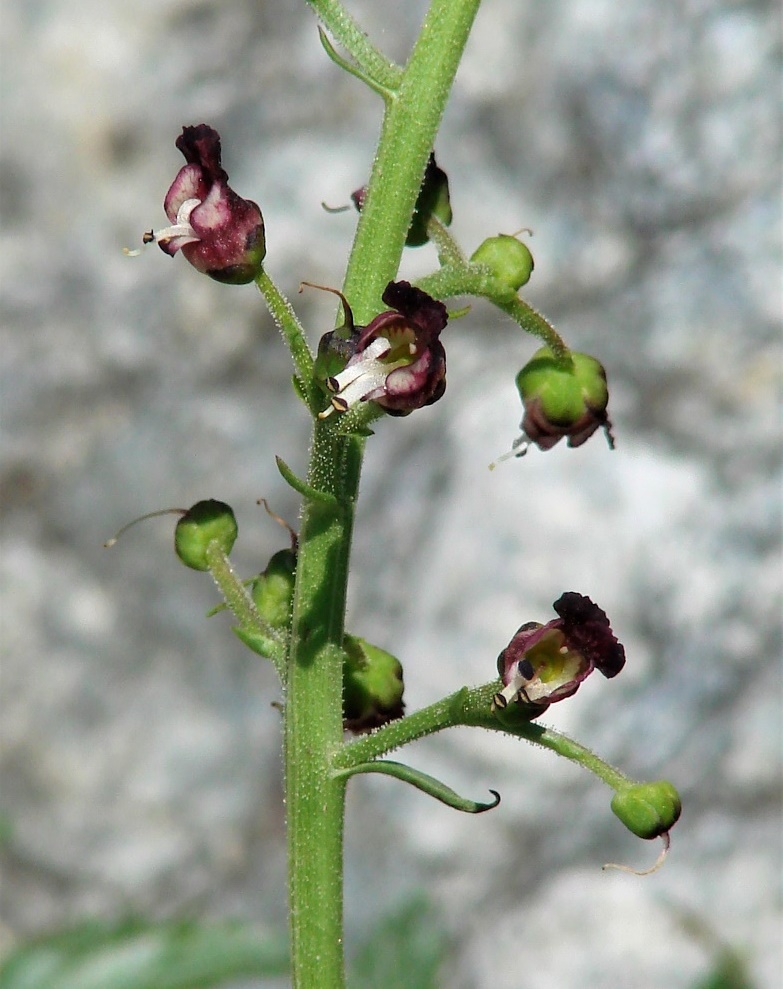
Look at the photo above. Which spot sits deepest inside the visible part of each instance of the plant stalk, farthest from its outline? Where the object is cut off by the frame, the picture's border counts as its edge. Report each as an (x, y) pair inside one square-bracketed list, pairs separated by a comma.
[(313, 710)]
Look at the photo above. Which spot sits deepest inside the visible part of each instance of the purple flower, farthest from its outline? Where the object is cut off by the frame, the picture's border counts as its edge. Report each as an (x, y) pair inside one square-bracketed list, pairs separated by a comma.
[(398, 360), (220, 234), (546, 663)]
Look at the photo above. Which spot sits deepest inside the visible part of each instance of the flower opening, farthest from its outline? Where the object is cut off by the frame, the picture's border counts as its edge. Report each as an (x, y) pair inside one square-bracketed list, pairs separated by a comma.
[(546, 663), (398, 359)]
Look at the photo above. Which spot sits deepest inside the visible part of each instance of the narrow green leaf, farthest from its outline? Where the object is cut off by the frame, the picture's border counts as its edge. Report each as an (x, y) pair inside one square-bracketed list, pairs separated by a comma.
[(422, 781), (353, 69), (302, 487)]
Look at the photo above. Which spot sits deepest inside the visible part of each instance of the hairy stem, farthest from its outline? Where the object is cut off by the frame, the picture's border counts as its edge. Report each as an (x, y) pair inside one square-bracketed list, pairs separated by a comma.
[(313, 716)]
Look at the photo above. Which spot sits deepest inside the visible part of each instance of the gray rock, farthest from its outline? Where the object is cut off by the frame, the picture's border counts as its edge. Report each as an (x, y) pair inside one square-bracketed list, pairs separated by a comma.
[(141, 766)]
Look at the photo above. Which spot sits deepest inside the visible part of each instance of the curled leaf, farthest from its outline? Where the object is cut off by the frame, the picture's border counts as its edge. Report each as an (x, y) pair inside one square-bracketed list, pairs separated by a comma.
[(422, 781)]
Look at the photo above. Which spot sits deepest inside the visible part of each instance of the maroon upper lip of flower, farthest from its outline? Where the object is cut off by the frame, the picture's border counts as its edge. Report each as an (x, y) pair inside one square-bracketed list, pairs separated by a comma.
[(200, 145), (410, 307), (587, 629)]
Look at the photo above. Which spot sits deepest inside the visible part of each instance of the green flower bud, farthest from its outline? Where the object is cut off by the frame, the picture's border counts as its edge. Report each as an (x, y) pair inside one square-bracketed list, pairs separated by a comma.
[(648, 809), (372, 686), (563, 400), (204, 523), (273, 590), (509, 261)]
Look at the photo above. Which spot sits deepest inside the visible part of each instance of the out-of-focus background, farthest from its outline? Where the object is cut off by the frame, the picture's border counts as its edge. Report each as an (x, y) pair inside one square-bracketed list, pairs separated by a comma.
[(140, 749)]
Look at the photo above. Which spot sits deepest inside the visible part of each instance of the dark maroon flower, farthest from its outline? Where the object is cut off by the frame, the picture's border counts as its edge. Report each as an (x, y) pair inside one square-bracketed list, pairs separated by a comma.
[(398, 360), (220, 234), (546, 663), (433, 200)]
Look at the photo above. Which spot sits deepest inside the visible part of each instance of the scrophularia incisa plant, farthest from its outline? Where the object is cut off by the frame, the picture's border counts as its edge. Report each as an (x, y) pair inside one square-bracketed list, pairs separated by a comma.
[(342, 703)]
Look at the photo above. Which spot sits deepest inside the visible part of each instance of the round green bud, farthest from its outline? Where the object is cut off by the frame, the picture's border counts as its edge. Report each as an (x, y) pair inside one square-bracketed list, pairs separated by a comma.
[(508, 260), (563, 398), (206, 522), (273, 590), (648, 809), (372, 685), (565, 393)]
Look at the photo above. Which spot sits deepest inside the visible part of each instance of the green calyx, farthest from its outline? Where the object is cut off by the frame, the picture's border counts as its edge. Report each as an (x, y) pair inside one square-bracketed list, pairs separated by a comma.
[(273, 590), (565, 392), (648, 809), (372, 685), (508, 260), (205, 523)]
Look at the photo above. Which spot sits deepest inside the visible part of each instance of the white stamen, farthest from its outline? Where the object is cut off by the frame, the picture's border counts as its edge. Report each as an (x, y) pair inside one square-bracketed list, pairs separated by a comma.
[(181, 230), (359, 380), (371, 378), (506, 696), (519, 448)]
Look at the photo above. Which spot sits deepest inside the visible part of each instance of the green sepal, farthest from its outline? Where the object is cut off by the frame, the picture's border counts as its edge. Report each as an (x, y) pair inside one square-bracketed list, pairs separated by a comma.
[(517, 714), (648, 809), (206, 522), (422, 781), (260, 644), (300, 390), (273, 590), (372, 685), (356, 430), (335, 349), (302, 487), (565, 391)]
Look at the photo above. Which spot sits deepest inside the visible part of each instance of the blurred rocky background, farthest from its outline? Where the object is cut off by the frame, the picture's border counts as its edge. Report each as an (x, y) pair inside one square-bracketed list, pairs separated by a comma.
[(140, 751)]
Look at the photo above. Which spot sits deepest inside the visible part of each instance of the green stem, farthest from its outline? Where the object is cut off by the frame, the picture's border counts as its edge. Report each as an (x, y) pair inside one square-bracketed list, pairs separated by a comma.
[(241, 605), (534, 322), (410, 124), (291, 329), (313, 715), (454, 280), (472, 706)]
